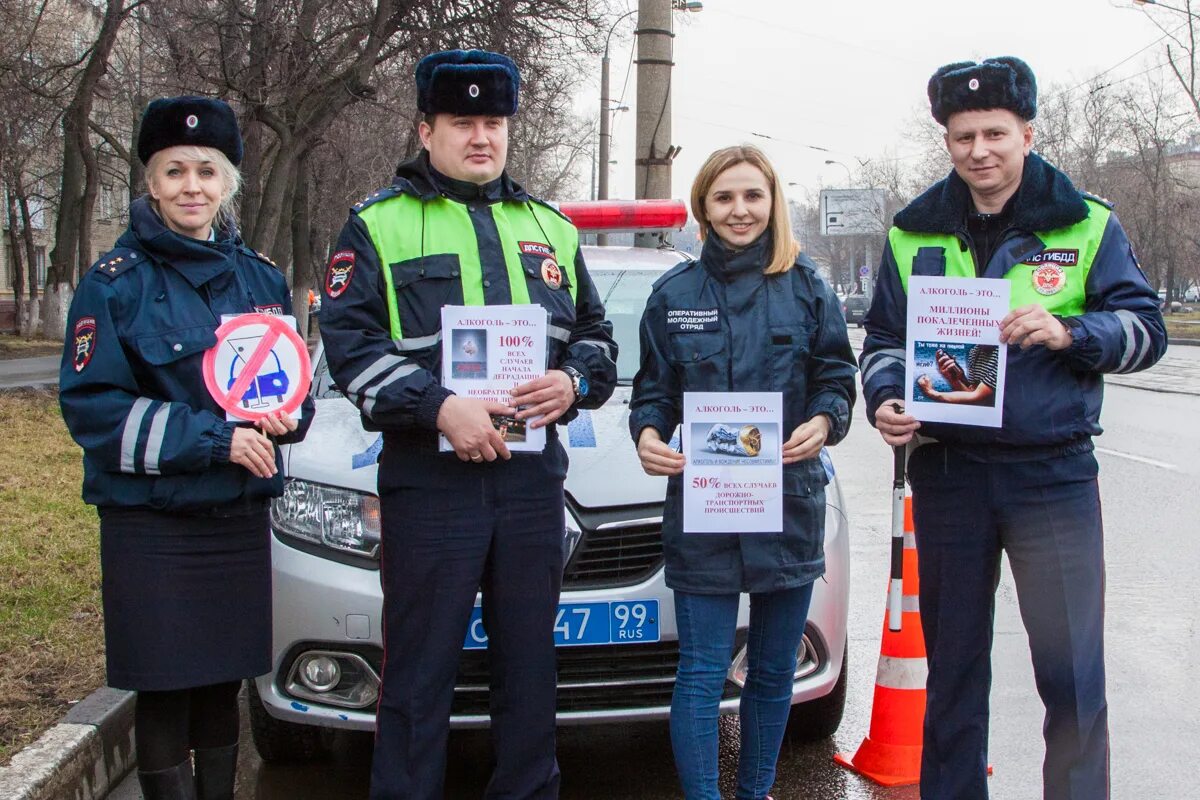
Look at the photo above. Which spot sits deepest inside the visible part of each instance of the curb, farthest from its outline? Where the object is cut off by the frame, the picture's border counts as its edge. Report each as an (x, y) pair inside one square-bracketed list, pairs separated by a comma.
[(1191, 342), (81, 758)]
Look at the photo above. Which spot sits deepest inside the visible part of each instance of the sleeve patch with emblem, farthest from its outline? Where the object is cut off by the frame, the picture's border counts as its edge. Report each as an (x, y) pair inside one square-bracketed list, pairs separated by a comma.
[(341, 270), (85, 341)]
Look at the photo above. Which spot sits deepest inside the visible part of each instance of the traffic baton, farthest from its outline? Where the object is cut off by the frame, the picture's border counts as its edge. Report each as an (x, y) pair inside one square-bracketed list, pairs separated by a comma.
[(895, 610)]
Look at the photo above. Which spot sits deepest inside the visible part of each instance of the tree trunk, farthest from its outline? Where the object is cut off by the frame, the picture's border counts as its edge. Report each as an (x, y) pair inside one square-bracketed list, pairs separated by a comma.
[(269, 222), (302, 254), (27, 238), (72, 225), (252, 158), (14, 243)]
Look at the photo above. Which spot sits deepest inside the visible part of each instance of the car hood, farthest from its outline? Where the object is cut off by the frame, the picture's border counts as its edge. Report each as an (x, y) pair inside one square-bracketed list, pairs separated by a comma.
[(605, 470), (604, 465), (336, 451)]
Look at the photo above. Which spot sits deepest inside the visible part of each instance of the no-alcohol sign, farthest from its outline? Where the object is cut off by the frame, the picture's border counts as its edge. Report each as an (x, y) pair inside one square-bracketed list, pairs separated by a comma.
[(259, 365)]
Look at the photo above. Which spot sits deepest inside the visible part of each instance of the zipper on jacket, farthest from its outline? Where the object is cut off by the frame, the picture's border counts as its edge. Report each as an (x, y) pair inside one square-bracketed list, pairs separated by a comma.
[(965, 237)]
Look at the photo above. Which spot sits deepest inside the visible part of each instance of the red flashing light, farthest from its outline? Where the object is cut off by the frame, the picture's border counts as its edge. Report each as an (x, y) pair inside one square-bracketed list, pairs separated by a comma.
[(626, 215)]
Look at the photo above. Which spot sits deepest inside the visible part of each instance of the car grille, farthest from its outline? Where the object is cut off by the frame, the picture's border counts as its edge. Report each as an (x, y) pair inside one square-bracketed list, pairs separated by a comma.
[(599, 678), (618, 547)]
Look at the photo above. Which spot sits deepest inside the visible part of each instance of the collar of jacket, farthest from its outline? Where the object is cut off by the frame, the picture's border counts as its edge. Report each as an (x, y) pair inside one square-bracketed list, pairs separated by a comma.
[(1045, 200), (726, 264), (417, 177), (196, 260)]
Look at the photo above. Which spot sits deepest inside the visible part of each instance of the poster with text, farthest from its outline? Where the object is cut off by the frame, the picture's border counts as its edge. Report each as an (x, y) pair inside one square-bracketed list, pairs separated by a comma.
[(489, 350), (733, 481), (955, 364)]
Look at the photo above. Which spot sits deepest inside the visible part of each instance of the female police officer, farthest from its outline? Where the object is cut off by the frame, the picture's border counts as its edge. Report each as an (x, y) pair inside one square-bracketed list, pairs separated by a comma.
[(182, 493), (779, 328)]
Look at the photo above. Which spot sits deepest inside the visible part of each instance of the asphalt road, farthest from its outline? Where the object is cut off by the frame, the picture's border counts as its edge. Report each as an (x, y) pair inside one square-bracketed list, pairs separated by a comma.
[(40, 371), (1150, 474)]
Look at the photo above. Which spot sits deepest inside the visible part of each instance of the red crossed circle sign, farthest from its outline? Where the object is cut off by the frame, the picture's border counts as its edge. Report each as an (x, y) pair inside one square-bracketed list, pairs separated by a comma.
[(243, 381)]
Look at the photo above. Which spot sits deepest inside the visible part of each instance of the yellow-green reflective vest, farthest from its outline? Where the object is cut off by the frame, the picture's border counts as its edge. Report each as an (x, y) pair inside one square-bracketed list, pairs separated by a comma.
[(1055, 278), (413, 236)]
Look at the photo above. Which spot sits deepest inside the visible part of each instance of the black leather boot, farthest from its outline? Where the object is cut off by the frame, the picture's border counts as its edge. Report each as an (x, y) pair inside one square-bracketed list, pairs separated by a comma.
[(215, 769), (174, 783)]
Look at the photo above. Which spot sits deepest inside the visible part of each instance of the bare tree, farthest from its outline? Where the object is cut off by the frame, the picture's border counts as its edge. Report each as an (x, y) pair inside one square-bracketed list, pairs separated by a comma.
[(80, 171)]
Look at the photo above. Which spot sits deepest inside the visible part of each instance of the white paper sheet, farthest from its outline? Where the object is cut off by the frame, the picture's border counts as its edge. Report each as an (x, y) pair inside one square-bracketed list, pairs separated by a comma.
[(733, 481), (954, 362), (489, 350)]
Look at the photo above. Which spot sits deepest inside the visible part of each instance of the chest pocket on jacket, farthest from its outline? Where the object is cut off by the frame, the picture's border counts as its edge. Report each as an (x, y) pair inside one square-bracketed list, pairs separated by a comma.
[(930, 261), (423, 285), (701, 360), (555, 300), (789, 348), (165, 347)]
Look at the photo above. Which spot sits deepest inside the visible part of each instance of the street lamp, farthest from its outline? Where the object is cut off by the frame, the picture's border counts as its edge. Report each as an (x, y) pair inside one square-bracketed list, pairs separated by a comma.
[(606, 110), (849, 175)]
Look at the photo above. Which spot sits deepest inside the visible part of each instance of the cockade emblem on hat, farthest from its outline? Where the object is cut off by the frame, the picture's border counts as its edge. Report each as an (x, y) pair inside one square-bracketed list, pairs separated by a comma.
[(973, 84), (192, 120), (473, 90)]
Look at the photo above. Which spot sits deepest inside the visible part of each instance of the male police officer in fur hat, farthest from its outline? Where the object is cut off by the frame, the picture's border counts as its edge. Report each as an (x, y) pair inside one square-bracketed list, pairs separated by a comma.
[(1081, 307), (454, 229)]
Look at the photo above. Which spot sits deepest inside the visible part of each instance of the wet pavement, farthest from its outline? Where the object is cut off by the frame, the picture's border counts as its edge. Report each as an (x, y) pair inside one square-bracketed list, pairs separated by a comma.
[(1150, 474)]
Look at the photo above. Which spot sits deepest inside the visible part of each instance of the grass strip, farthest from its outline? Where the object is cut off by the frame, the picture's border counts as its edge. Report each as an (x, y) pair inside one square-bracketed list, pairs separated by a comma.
[(51, 629), (16, 347)]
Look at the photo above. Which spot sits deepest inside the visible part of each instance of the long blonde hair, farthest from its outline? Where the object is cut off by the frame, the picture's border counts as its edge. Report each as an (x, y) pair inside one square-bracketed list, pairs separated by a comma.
[(785, 247), (231, 178)]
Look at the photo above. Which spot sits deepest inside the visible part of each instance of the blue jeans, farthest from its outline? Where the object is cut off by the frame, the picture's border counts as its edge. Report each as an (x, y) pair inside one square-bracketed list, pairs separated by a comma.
[(707, 624)]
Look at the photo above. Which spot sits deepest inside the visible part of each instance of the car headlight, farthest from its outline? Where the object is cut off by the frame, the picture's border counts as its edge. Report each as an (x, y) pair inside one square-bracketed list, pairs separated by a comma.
[(336, 518)]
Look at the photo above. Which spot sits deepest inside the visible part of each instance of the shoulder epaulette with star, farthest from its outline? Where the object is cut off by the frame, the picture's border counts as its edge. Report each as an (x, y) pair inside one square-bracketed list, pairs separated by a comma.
[(117, 262), (377, 195), (263, 257), (1104, 201)]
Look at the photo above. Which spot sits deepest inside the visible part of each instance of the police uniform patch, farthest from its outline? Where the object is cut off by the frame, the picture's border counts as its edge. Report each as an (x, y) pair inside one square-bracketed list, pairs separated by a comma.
[(1049, 279), (274, 309), (693, 320), (85, 341), (536, 249), (551, 274), (341, 270), (1061, 257)]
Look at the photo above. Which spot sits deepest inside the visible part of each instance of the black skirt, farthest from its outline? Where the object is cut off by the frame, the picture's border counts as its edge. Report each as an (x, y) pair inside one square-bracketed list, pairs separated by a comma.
[(187, 599)]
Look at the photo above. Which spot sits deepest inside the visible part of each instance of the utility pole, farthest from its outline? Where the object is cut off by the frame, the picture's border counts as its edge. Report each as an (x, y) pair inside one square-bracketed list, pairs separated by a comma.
[(654, 150)]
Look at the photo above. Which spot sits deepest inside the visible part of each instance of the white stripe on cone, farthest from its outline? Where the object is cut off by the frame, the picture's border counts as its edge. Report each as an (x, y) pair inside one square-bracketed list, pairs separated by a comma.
[(902, 673)]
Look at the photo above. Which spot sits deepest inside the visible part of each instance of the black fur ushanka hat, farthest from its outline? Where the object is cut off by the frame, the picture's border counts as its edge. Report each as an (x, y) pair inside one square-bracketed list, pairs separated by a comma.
[(189, 120), (1004, 82), (468, 82)]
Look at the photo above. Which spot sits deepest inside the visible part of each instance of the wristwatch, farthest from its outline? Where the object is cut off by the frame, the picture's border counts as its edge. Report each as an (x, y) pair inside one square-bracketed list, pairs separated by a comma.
[(579, 384)]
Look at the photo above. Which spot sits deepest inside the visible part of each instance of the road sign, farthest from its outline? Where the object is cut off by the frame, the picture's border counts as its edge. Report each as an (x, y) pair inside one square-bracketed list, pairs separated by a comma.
[(852, 212), (259, 365), (864, 271)]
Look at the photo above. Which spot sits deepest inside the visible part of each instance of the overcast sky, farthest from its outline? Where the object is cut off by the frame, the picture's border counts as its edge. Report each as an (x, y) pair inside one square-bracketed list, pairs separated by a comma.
[(847, 76)]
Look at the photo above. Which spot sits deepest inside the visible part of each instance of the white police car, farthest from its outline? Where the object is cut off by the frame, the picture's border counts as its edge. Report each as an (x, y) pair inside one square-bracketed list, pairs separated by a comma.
[(616, 623)]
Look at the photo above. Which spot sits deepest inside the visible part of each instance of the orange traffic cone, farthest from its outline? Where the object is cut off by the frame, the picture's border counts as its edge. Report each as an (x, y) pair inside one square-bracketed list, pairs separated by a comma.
[(891, 753)]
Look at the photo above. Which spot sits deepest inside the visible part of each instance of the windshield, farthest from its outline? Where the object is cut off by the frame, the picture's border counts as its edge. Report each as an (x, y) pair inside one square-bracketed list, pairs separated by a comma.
[(624, 294)]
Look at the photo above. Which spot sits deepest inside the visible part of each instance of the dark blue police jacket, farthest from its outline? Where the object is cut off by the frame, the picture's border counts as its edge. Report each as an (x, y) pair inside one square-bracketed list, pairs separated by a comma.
[(131, 386), (757, 333)]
